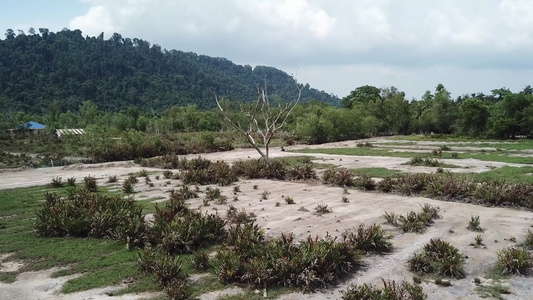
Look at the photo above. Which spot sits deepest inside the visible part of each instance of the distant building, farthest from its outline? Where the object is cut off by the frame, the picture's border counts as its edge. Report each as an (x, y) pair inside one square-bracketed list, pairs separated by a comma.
[(62, 132), (28, 127)]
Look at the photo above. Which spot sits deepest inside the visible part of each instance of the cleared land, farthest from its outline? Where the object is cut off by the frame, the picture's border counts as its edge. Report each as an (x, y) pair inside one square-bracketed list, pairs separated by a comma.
[(503, 227)]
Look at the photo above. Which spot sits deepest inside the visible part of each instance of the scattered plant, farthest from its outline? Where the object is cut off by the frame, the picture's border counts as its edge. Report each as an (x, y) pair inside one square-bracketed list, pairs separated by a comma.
[(255, 186), (455, 155), (445, 148), (478, 241), (474, 223), (514, 261), (391, 218), (167, 174), (112, 179), (237, 217), (289, 200), (321, 209), (528, 243), (365, 183), (127, 187), (345, 199), (264, 195), (302, 172), (236, 189), (424, 161)]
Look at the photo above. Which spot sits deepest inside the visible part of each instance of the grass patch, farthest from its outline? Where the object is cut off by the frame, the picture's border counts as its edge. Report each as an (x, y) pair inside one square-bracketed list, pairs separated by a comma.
[(103, 262), (507, 174), (485, 156), (493, 291), (375, 172), (7, 277)]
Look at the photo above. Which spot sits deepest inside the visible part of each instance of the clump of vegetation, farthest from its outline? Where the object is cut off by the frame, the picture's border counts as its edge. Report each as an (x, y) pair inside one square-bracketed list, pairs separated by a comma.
[(167, 272), (528, 243), (345, 199), (200, 260), (442, 282), (167, 174), (365, 145), (237, 217), (438, 258), (289, 200), (302, 172), (127, 187), (455, 155), (90, 183), (369, 239), (256, 169), (365, 183), (236, 189), (311, 264), (202, 171), (414, 221), (339, 177), (321, 209), (445, 148), (86, 214), (390, 291), (264, 195), (112, 179), (424, 161), (478, 241), (474, 223), (56, 182), (514, 261), (71, 181)]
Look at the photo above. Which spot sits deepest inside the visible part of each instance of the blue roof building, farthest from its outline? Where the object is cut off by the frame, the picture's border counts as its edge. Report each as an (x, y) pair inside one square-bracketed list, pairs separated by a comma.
[(32, 125)]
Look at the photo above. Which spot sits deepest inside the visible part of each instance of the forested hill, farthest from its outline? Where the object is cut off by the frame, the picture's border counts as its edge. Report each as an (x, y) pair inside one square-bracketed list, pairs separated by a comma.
[(115, 73)]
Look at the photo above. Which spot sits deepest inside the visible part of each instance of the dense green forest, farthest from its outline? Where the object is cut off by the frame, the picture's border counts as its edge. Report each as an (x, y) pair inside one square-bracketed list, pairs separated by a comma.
[(39, 67), (120, 85)]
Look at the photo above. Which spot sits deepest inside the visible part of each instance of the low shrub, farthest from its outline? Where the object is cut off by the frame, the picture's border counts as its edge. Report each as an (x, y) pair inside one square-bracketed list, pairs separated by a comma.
[(321, 209), (56, 182), (127, 187), (369, 239), (90, 183), (202, 171), (302, 172), (112, 179), (413, 221), (200, 260), (238, 216), (363, 145), (474, 223), (339, 177), (390, 291), (438, 258), (314, 263), (365, 183), (514, 261), (86, 214), (191, 232), (425, 161), (528, 242), (289, 200), (256, 169), (71, 181)]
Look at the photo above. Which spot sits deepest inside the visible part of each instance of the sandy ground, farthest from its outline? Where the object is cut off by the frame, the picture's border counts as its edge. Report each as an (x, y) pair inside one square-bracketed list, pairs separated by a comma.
[(503, 227)]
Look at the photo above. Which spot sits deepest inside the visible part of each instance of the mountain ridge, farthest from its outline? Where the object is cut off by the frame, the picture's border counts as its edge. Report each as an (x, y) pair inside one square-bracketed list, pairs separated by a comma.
[(116, 73)]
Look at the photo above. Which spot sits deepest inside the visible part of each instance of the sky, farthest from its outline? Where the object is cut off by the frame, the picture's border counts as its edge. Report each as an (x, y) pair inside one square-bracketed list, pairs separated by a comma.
[(469, 46)]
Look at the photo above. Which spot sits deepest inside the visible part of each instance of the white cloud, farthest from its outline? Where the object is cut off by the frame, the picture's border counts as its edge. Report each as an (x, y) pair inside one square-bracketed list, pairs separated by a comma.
[(397, 39), (97, 20)]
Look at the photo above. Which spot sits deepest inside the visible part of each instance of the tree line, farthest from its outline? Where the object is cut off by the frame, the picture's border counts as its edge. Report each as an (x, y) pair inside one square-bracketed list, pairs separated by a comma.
[(367, 111)]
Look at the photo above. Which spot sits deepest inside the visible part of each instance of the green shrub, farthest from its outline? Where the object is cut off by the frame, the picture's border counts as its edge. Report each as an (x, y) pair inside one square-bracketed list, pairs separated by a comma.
[(57, 182), (321, 209), (200, 260), (202, 171), (90, 183), (255, 169), (302, 172), (71, 181), (112, 179), (86, 214), (514, 261), (339, 177), (369, 239), (413, 221), (190, 233), (237, 217), (438, 258), (390, 291), (311, 264), (365, 183), (289, 200), (474, 223), (528, 243), (127, 187), (163, 267)]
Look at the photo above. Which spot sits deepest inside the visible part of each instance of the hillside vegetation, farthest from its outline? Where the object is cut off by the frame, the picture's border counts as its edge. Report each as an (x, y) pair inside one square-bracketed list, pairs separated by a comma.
[(115, 73)]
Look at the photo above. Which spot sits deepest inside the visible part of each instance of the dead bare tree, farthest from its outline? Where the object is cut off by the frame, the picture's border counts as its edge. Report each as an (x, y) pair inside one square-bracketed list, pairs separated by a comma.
[(263, 119)]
